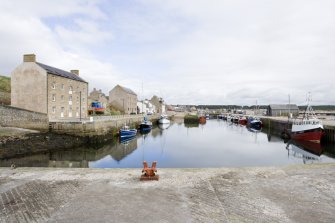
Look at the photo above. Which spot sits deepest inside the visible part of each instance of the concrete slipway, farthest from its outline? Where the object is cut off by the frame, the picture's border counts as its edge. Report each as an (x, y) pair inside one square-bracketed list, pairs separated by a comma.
[(302, 193)]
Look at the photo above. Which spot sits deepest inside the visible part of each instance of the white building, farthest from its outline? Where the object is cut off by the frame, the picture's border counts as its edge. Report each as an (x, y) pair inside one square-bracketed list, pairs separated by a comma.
[(145, 107)]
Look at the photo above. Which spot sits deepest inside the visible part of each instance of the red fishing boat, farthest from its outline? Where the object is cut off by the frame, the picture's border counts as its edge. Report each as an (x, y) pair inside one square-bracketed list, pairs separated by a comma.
[(202, 120), (308, 128)]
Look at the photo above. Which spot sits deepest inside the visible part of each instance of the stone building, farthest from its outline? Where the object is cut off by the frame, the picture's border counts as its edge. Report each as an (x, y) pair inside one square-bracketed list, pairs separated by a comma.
[(124, 99), (282, 110), (38, 87)]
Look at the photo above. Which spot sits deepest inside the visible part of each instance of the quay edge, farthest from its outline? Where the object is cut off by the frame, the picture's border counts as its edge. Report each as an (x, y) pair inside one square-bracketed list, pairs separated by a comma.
[(294, 193)]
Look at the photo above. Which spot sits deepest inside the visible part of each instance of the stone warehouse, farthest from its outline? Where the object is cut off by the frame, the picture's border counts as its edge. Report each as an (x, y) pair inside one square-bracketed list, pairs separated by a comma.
[(124, 99), (41, 88)]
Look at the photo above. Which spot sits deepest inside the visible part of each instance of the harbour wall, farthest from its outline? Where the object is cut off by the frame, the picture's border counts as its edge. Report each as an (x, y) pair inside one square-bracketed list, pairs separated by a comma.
[(99, 126), (21, 118)]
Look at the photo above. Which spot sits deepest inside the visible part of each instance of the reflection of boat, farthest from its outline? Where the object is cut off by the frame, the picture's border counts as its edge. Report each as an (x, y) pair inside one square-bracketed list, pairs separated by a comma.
[(126, 140), (146, 125), (163, 126), (309, 128), (308, 152), (250, 129), (163, 119), (311, 147), (126, 132)]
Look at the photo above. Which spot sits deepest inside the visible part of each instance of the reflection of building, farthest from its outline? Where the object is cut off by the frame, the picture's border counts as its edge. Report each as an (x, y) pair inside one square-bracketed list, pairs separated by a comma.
[(121, 150), (45, 89), (75, 158), (123, 99)]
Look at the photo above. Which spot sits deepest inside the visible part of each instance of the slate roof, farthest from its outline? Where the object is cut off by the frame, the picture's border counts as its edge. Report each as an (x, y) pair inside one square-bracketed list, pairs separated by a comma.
[(129, 91), (283, 107), (61, 73)]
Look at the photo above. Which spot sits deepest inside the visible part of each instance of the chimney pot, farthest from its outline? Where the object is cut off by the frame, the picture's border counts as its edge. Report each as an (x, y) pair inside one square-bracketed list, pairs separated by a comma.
[(76, 72), (29, 58)]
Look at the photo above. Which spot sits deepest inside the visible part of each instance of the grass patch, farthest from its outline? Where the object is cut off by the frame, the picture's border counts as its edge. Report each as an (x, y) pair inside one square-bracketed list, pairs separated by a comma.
[(5, 84), (191, 119)]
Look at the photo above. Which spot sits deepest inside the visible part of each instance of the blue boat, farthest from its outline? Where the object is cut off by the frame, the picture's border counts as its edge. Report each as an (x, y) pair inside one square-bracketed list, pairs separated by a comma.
[(126, 132), (146, 125), (255, 124)]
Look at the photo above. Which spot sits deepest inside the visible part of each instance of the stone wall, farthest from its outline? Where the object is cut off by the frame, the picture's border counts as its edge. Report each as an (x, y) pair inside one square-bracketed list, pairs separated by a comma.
[(96, 128), (21, 118)]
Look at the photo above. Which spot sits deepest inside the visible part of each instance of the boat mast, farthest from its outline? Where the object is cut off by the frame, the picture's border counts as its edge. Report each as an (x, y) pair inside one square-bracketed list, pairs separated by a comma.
[(289, 106)]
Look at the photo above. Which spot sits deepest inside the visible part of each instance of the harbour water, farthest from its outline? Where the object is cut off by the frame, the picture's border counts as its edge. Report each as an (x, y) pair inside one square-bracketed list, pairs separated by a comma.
[(215, 144)]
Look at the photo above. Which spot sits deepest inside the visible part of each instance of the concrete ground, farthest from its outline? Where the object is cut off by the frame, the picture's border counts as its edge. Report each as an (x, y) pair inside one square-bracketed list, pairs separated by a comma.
[(271, 194)]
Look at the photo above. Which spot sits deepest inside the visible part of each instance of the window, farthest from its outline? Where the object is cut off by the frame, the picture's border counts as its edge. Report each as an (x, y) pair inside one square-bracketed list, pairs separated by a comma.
[(53, 85), (62, 109), (70, 90), (70, 98), (62, 97), (53, 109), (53, 97), (62, 86)]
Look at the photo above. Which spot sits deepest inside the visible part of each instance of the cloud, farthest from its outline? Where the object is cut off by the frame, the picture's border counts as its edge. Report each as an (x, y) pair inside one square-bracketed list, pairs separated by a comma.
[(217, 52)]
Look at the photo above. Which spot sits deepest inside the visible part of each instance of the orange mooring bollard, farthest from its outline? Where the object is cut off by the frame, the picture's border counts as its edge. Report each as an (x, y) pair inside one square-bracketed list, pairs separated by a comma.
[(149, 172)]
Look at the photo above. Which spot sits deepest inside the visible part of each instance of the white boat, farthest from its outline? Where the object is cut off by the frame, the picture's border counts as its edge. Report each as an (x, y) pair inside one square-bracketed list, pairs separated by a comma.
[(164, 119), (307, 128)]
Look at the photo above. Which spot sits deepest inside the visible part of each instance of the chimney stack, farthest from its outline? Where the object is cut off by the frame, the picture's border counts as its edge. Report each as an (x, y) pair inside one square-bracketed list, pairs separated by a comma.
[(29, 58), (76, 72)]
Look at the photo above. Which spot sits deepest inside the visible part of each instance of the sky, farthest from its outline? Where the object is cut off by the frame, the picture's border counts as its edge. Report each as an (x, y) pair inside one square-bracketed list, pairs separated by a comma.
[(186, 51)]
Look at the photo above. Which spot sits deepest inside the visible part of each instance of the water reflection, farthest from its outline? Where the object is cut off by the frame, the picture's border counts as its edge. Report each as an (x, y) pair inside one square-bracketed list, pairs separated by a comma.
[(216, 144), (308, 152), (164, 126)]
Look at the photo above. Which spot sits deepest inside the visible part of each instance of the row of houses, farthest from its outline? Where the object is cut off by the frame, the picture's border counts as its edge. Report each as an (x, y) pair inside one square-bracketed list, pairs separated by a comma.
[(63, 95)]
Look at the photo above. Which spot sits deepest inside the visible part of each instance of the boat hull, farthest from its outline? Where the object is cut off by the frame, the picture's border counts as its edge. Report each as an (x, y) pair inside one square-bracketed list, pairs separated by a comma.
[(202, 120), (127, 133), (313, 135), (163, 121)]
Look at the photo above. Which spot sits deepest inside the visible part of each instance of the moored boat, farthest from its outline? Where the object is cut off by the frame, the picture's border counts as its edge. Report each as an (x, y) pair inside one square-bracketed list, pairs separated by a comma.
[(308, 128), (163, 119), (146, 125), (242, 121), (254, 123), (126, 132), (202, 119)]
